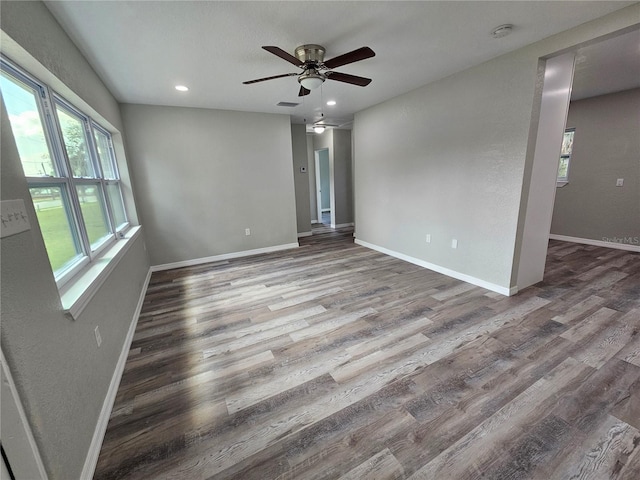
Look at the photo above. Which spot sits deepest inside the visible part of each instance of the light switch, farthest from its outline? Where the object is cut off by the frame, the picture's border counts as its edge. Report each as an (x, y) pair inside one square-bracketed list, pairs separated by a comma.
[(454, 243), (428, 238), (620, 182), (14, 218)]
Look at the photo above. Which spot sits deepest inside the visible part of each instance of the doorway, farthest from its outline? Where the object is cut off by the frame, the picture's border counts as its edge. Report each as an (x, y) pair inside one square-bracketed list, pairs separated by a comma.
[(557, 92), (323, 186)]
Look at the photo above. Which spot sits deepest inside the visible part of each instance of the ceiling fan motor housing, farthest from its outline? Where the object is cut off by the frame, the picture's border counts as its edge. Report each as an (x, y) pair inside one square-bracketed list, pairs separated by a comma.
[(311, 53)]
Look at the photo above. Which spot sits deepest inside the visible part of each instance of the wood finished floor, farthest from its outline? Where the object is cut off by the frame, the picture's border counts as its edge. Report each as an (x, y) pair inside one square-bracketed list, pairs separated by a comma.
[(335, 361)]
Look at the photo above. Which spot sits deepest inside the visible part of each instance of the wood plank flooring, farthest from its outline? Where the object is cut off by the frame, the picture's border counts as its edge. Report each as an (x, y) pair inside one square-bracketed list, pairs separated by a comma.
[(333, 361)]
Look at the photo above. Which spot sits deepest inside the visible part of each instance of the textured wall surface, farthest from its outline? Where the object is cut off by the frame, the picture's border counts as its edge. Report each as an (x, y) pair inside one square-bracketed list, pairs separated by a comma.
[(203, 176), (452, 159), (343, 178), (606, 147), (301, 180), (61, 375), (447, 160)]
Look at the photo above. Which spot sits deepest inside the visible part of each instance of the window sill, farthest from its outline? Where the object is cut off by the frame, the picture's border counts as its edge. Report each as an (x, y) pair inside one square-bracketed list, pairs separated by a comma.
[(77, 294), (561, 184)]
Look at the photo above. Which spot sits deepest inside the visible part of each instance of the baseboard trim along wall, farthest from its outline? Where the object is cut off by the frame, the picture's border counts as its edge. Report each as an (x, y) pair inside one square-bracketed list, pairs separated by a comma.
[(224, 256), (101, 427), (304, 234), (342, 225), (445, 271), (600, 243)]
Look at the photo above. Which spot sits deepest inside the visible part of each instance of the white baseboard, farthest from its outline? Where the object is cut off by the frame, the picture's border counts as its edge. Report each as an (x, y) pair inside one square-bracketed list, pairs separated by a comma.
[(224, 256), (98, 435), (445, 271), (313, 222), (342, 225), (597, 243), (304, 234)]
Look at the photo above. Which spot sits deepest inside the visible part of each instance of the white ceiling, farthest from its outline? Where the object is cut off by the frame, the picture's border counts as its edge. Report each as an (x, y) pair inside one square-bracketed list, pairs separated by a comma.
[(612, 65), (142, 49)]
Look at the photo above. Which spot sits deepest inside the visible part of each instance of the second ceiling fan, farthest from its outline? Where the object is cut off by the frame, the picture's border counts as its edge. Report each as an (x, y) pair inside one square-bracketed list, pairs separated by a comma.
[(315, 70)]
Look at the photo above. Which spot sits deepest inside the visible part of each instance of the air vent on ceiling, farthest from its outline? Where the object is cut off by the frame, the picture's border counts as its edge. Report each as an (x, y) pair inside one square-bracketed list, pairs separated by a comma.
[(287, 104)]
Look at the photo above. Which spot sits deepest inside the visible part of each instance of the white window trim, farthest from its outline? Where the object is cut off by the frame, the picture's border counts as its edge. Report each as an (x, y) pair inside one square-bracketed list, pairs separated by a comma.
[(562, 181), (80, 281), (78, 292)]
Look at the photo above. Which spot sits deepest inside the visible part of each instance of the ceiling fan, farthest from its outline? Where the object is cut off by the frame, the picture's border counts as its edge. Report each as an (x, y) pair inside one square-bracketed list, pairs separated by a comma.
[(315, 70)]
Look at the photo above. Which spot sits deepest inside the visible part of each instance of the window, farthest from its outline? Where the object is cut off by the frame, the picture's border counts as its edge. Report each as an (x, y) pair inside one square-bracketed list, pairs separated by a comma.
[(565, 156), (71, 171)]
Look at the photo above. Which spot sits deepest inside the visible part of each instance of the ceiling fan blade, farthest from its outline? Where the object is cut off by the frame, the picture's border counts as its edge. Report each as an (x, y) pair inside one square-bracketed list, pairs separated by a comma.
[(354, 56), (277, 51), (346, 78), (269, 78), (303, 92)]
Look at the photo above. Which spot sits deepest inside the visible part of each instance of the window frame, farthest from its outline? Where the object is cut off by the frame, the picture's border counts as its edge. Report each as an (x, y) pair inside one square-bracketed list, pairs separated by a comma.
[(562, 181), (47, 102)]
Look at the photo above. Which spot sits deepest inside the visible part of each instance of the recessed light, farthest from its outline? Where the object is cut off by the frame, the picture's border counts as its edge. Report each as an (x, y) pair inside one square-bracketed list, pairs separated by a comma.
[(182, 88), (331, 103)]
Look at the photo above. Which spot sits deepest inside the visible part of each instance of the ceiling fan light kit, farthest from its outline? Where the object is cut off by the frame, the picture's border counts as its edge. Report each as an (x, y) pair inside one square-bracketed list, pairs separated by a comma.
[(315, 70), (311, 79)]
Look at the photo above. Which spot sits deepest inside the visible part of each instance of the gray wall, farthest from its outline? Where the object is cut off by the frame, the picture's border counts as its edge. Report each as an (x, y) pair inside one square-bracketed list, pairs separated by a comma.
[(450, 158), (202, 176), (606, 147), (343, 178), (301, 180), (62, 377)]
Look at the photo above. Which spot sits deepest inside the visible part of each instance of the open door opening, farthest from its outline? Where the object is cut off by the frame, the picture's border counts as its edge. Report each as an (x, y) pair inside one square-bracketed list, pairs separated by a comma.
[(567, 79), (323, 186)]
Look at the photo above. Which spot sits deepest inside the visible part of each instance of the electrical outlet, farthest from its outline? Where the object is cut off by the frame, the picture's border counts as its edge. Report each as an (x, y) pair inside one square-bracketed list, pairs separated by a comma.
[(620, 182), (98, 336), (247, 231), (454, 243), (428, 239)]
